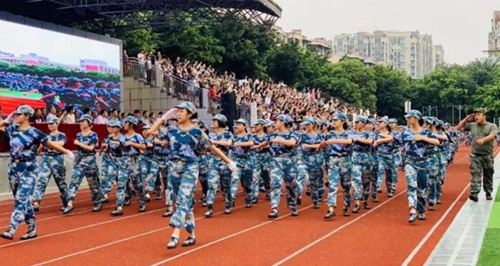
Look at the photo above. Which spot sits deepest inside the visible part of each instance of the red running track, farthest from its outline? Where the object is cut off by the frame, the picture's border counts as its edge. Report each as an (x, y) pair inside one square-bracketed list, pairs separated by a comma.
[(246, 237)]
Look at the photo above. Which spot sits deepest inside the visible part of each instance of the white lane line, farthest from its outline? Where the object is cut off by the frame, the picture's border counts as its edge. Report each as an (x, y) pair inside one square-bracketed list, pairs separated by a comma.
[(84, 227), (340, 228), (115, 242), (291, 256), (429, 234)]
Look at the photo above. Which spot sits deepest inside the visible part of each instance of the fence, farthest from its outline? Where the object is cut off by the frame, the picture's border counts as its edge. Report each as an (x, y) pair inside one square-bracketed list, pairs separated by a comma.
[(182, 89)]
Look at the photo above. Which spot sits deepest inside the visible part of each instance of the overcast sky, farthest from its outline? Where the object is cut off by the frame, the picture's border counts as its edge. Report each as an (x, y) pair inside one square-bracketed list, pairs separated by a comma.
[(461, 26)]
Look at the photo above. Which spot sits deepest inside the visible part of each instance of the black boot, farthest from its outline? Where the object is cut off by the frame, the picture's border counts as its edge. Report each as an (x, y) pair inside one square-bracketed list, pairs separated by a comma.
[(30, 234)]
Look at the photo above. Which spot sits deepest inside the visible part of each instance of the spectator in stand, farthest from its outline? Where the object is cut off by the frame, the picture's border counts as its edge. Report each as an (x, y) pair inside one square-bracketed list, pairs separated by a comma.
[(102, 119), (68, 115)]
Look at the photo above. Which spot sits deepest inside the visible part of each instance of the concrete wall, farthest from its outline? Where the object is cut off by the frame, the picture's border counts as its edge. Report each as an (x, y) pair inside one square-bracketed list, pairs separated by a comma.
[(5, 192)]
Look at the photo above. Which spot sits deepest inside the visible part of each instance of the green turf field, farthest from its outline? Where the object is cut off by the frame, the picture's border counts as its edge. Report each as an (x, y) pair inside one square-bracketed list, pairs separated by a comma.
[(490, 251), (18, 94)]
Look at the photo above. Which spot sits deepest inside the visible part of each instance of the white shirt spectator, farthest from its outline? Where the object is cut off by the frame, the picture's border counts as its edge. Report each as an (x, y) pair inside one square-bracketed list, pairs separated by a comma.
[(100, 120)]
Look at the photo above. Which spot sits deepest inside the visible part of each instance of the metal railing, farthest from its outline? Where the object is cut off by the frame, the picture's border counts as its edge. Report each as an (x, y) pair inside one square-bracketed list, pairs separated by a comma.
[(180, 88)]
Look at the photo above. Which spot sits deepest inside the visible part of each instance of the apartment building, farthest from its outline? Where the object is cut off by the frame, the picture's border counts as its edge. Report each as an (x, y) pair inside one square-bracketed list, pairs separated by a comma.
[(408, 51), (321, 46), (494, 36)]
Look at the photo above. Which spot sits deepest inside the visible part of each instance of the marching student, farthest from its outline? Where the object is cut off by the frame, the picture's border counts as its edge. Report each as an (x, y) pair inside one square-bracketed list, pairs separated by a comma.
[(85, 165), (309, 142), (261, 161), (204, 165), (240, 154), (281, 144), (385, 149), (52, 165), (24, 141), (186, 142), (219, 172), (416, 140), (339, 164)]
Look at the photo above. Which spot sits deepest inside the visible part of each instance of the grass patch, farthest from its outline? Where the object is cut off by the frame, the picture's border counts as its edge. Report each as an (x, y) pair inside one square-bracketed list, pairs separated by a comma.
[(490, 251)]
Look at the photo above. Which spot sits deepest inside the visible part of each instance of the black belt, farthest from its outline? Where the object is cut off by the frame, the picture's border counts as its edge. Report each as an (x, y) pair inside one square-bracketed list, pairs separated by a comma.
[(339, 155), (22, 160), (86, 154), (418, 159), (242, 155)]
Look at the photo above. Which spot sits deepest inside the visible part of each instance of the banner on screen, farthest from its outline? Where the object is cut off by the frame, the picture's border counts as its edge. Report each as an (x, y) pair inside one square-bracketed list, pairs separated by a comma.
[(45, 68)]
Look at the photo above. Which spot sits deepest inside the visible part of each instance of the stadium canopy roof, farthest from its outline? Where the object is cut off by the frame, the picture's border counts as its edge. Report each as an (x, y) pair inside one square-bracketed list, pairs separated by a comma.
[(73, 12)]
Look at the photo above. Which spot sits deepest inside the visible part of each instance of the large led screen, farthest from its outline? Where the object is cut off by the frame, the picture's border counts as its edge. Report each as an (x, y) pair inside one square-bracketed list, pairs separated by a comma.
[(45, 68)]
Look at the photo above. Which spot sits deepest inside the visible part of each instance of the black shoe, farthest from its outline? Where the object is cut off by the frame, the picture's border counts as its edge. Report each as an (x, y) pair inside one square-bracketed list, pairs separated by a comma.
[(413, 218), (432, 207), (262, 189), (168, 213), (421, 216), (204, 204), (248, 205), (127, 202), (488, 196), (315, 205), (117, 212), (104, 200), (228, 210), (439, 201), (308, 192), (390, 194), (346, 212), (299, 201), (356, 209), (30, 234), (159, 196), (329, 215), (375, 199), (189, 242), (379, 190), (320, 199), (68, 209), (173, 243), (473, 198), (142, 208), (97, 207), (268, 197), (273, 214), (36, 208), (294, 212), (9, 234), (255, 201), (209, 212), (366, 206)]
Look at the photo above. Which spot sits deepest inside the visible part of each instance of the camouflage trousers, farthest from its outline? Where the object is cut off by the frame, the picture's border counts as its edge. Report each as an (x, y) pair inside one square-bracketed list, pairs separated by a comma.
[(184, 176), (374, 175), (106, 182), (219, 174), (203, 175), (361, 174), (22, 179), (283, 169), (150, 169), (313, 164), (52, 165), (243, 173), (443, 164), (433, 179), (128, 170), (85, 166), (416, 172), (397, 157), (387, 165), (480, 163), (261, 165), (302, 174), (339, 171)]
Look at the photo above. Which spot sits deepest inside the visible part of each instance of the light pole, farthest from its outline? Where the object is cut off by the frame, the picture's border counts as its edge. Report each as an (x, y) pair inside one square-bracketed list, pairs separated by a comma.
[(429, 109), (460, 107)]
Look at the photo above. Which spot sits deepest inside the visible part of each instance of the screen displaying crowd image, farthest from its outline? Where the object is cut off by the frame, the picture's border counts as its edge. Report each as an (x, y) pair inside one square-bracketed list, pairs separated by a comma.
[(44, 68)]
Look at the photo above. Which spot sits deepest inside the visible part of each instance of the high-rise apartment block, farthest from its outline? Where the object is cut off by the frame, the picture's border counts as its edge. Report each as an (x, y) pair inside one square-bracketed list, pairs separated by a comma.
[(494, 36), (321, 46), (408, 51)]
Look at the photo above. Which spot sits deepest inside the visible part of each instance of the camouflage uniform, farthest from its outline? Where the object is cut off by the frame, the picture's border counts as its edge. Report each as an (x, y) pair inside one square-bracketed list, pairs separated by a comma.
[(339, 170), (481, 158), (313, 162), (185, 148), (86, 166), (241, 156), (387, 164), (361, 166), (150, 167), (219, 173), (22, 173), (282, 169), (417, 168), (52, 165), (261, 165), (106, 183)]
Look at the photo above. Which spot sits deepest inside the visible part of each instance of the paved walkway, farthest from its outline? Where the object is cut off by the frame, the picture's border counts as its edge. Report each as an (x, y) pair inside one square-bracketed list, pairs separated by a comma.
[(462, 241)]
